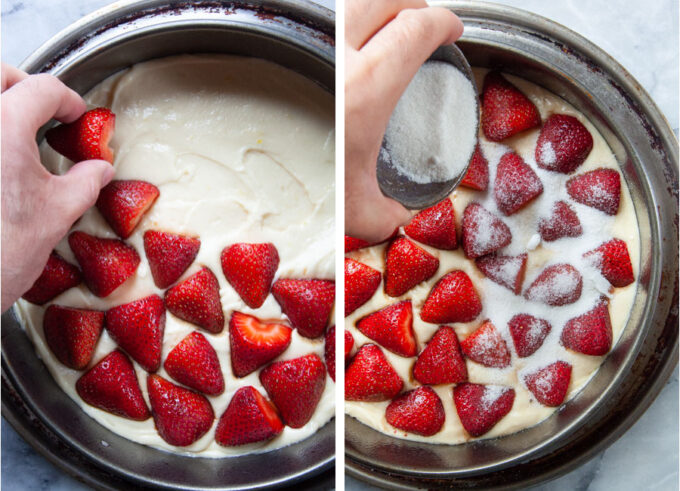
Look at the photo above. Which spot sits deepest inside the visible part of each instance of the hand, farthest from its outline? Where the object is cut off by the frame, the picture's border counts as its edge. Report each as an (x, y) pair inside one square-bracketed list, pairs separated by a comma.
[(38, 208), (386, 43)]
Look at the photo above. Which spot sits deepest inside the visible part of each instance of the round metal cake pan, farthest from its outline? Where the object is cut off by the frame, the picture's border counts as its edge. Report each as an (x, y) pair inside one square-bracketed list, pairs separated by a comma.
[(295, 34), (638, 366)]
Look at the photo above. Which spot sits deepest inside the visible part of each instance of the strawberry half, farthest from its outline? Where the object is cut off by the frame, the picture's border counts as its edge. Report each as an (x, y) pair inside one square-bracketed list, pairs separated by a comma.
[(487, 347), (57, 277), (197, 300), (370, 377), (418, 411), (353, 244), (124, 203), (477, 176), (72, 334), (613, 261), (86, 138), (483, 232), (504, 270), (250, 270), (392, 328), (307, 303), (106, 263), (549, 385), (435, 226), (169, 255), (562, 222), (599, 189), (329, 349), (138, 328), (255, 343), (528, 333), (559, 284), (563, 144), (516, 184), (407, 265), (249, 418), (361, 282), (441, 362), (194, 363), (295, 387), (590, 333), (111, 385), (480, 407), (182, 416), (505, 110), (453, 299)]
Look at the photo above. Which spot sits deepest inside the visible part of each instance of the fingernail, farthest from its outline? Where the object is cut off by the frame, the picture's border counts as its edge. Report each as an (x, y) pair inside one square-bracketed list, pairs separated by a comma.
[(108, 174)]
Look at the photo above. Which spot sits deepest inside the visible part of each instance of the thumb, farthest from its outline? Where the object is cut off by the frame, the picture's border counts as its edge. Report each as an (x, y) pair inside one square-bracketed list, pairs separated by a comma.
[(80, 186)]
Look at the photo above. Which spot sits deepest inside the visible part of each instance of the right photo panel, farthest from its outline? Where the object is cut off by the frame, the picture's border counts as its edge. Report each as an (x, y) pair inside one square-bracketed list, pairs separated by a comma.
[(511, 252)]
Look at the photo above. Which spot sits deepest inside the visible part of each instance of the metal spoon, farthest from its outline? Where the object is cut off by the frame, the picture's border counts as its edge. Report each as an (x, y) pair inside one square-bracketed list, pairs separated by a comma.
[(395, 185)]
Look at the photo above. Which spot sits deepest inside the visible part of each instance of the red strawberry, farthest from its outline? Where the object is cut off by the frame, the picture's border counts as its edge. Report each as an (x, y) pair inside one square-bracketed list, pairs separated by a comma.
[(255, 343), (111, 385), (613, 260), (138, 328), (563, 144), (182, 416), (515, 185), (106, 263), (528, 333), (249, 418), (197, 300), (370, 377), (86, 138), (307, 303), (549, 385), (169, 255), (352, 243), (453, 299), (124, 203), (418, 411), (480, 407), (194, 363), (295, 387), (392, 328), (407, 265), (487, 347), (435, 226), (563, 222), (329, 349), (559, 284), (250, 270), (483, 232), (599, 188), (72, 334), (477, 176), (441, 362), (57, 277), (590, 333), (361, 282), (505, 110), (504, 270)]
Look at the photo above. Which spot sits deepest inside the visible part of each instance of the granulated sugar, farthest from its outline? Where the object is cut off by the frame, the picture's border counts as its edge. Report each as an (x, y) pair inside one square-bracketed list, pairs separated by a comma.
[(433, 130)]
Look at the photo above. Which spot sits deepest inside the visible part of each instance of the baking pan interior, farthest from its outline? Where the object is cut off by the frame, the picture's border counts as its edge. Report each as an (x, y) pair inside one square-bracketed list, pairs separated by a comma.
[(35, 387), (622, 387)]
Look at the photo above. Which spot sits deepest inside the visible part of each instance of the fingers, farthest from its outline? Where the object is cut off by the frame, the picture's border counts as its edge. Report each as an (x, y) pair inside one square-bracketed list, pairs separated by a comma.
[(78, 189), (396, 52), (366, 17), (42, 97), (11, 76)]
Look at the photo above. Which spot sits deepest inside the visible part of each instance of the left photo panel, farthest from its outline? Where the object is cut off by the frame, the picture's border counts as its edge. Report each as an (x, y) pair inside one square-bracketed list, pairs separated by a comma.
[(168, 244)]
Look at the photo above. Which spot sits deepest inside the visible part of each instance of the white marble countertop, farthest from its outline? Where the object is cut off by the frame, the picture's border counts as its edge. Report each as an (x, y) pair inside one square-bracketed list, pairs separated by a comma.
[(642, 37)]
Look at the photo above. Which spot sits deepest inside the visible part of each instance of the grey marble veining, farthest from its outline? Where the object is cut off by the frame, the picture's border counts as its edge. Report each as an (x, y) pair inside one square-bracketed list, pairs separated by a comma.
[(643, 37)]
